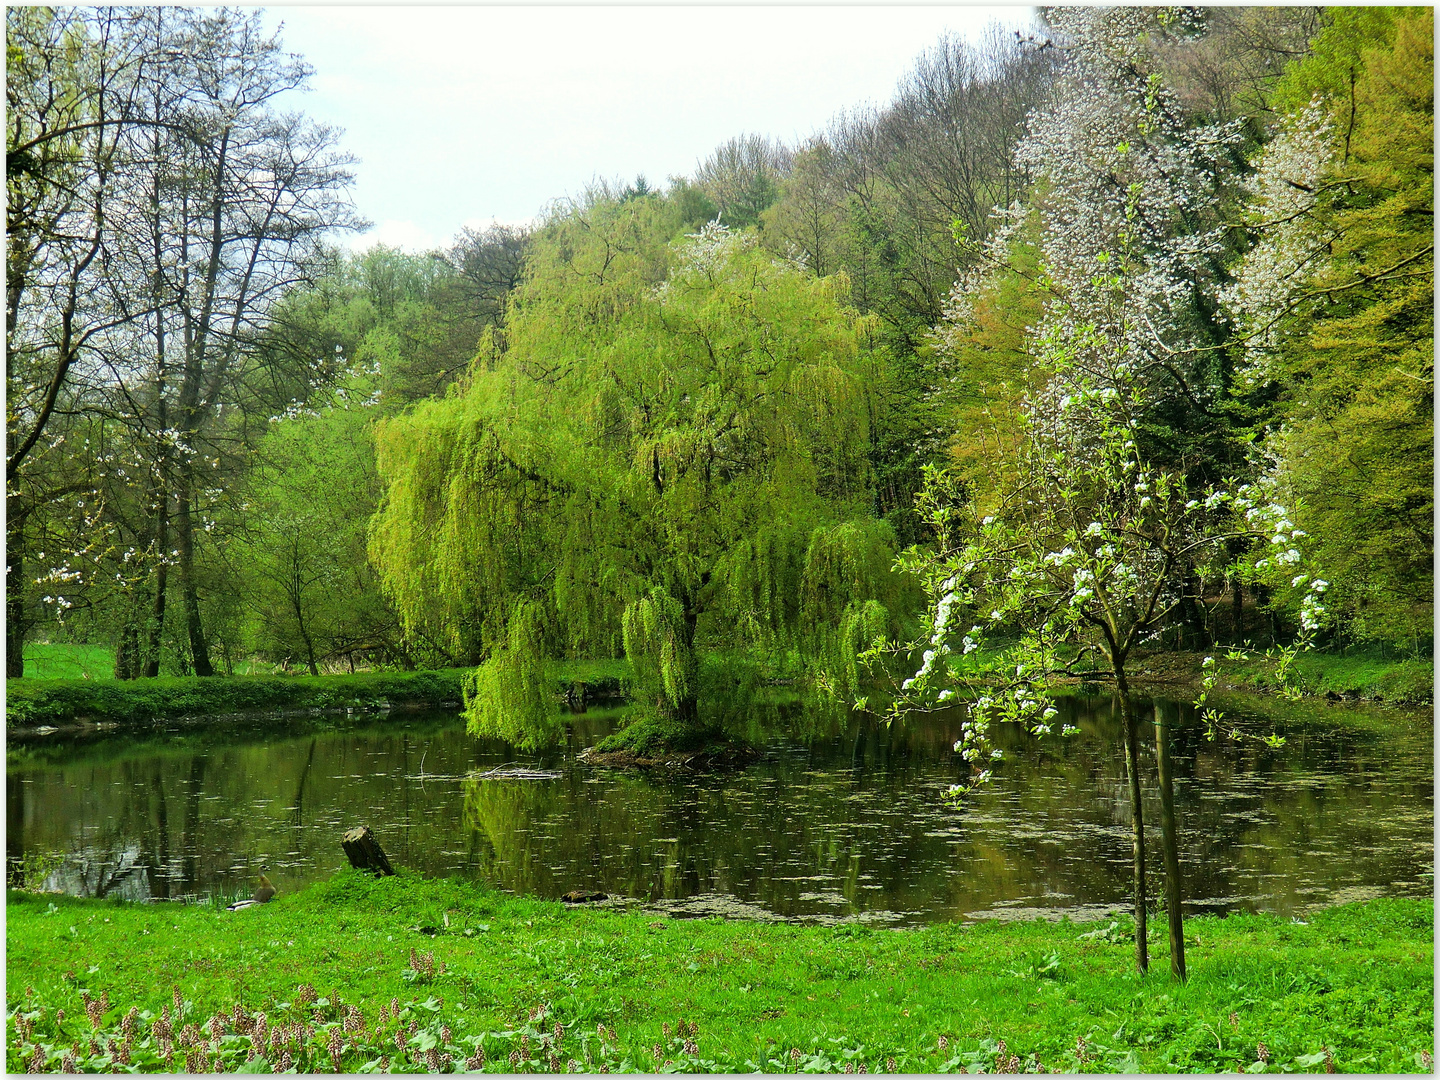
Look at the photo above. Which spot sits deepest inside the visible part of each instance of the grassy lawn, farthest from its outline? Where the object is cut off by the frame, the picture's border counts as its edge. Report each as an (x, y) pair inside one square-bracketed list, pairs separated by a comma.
[(46, 660), (412, 975)]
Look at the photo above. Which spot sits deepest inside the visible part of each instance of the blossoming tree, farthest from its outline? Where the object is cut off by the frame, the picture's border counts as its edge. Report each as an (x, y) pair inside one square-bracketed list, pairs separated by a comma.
[(1113, 506)]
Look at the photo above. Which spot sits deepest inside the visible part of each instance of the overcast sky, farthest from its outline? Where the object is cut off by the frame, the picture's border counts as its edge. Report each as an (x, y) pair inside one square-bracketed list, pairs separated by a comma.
[(464, 115)]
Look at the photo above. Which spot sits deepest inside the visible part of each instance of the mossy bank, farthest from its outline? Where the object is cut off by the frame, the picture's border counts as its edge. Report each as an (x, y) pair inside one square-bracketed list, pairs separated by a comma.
[(407, 974)]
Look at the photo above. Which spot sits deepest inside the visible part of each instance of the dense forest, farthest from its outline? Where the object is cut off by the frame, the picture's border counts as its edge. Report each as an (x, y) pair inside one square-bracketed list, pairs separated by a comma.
[(1150, 277)]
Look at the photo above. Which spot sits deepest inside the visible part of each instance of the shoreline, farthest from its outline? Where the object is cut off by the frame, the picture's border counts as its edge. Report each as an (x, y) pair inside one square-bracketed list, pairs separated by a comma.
[(39, 708)]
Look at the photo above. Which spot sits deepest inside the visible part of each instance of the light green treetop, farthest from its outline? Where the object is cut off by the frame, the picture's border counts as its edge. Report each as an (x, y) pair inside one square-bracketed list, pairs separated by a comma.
[(666, 453)]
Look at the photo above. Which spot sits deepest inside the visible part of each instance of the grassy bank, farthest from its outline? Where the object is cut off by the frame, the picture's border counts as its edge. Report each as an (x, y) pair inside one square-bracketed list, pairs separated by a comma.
[(1357, 675), (404, 973), (61, 702)]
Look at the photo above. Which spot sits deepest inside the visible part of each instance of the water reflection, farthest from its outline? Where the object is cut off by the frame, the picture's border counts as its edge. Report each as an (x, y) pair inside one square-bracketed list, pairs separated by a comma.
[(1170, 836), (842, 817)]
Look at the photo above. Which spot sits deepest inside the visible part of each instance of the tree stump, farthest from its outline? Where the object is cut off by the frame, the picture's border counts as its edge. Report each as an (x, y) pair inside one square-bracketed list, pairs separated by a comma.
[(363, 851)]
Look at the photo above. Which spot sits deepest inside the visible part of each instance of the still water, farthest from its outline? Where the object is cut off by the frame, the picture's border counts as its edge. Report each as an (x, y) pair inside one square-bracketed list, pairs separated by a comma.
[(841, 818)]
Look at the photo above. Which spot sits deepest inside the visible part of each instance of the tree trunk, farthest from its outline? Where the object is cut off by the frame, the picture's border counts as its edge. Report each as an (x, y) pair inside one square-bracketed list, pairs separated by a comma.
[(299, 609), (155, 627), (1170, 846), (127, 648), (1137, 819), (1192, 607), (1237, 610), (14, 550), (364, 853), (687, 710), (14, 608), (189, 597)]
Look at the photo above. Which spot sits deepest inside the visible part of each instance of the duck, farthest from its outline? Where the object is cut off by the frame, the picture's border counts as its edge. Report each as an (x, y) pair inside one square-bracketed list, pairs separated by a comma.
[(263, 895)]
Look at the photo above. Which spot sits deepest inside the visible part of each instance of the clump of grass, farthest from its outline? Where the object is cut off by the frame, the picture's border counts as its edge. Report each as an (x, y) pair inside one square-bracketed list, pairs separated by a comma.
[(652, 736)]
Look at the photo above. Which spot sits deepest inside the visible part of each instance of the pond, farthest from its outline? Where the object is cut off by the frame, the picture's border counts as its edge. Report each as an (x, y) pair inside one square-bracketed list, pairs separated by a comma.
[(841, 817)]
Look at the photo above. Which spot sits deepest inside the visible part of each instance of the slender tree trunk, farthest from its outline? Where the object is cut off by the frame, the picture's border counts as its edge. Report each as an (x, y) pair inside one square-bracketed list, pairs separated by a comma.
[(15, 626), (1170, 846), (305, 637), (1192, 607), (1137, 817), (189, 597), (1237, 609), (155, 627), (14, 606), (196, 336), (127, 648)]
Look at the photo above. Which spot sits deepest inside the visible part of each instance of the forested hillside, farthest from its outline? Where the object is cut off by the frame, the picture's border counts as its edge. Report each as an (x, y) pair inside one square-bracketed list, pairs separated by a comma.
[(1167, 271)]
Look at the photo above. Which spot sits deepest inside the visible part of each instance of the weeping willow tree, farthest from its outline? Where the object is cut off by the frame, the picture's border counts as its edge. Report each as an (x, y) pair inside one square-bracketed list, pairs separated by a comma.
[(667, 454)]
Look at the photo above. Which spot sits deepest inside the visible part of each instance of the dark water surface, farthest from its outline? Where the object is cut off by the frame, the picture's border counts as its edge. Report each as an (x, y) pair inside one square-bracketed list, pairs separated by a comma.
[(844, 819)]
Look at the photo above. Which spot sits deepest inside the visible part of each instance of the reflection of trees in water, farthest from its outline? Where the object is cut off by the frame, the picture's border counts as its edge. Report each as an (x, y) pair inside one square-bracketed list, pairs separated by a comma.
[(1248, 815), (15, 834), (163, 825), (851, 820), (806, 837), (1169, 841), (159, 882)]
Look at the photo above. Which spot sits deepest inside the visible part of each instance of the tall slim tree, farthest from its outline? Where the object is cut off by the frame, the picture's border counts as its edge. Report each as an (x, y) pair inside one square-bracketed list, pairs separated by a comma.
[(198, 203)]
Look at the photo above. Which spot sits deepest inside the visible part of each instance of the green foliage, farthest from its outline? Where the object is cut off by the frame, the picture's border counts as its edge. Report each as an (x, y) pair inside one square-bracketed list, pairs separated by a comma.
[(1354, 982), (852, 601), (32, 702), (509, 696), (1354, 368), (660, 649), (309, 591), (1335, 57), (648, 455)]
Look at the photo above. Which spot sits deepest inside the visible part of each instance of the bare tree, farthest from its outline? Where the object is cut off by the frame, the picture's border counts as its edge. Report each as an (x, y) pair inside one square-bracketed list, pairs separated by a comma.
[(743, 175), (1230, 69)]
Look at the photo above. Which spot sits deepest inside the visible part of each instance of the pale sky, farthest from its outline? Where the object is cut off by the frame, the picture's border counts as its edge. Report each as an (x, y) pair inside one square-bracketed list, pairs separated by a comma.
[(464, 115)]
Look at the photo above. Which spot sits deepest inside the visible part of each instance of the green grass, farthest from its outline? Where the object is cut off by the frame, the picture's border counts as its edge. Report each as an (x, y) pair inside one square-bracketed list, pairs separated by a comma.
[(467, 966), (63, 660), (1367, 674), (594, 672), (1361, 674), (33, 702), (648, 735), (62, 701)]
